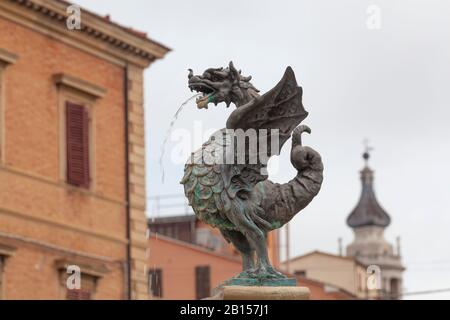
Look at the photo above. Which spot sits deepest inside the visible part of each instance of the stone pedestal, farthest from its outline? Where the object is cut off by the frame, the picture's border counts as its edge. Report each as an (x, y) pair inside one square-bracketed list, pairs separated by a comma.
[(259, 282), (260, 293)]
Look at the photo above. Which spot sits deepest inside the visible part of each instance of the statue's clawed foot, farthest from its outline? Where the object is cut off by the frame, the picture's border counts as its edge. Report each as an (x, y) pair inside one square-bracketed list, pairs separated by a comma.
[(265, 272), (246, 273)]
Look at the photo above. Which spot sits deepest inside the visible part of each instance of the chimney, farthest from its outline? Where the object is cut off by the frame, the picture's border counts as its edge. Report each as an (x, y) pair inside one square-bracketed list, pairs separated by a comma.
[(398, 246), (340, 246)]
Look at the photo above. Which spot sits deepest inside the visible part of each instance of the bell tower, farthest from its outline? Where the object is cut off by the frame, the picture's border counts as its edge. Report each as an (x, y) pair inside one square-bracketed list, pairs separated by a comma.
[(368, 221)]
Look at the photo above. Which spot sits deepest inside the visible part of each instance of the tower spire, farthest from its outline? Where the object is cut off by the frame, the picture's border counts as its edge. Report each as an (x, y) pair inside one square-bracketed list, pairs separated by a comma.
[(368, 221), (367, 149), (368, 211)]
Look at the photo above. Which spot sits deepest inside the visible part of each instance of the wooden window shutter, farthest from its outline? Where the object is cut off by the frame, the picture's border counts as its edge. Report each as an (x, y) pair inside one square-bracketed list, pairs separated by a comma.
[(78, 294), (202, 281), (77, 144), (155, 283)]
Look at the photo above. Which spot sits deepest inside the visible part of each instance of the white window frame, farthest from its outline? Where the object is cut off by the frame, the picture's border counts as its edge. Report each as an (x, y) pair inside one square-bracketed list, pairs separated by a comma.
[(78, 91)]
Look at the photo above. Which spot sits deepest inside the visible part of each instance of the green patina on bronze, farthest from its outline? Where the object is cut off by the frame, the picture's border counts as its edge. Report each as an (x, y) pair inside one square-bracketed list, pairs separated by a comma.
[(260, 281)]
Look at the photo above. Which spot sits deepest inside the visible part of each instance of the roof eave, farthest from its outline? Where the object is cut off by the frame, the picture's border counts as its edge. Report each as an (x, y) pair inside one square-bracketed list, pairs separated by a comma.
[(111, 37)]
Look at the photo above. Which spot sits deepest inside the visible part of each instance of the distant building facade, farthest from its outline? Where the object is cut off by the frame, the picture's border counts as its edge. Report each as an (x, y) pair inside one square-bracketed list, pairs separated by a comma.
[(341, 272), (323, 291), (368, 221), (72, 167), (372, 268), (188, 258)]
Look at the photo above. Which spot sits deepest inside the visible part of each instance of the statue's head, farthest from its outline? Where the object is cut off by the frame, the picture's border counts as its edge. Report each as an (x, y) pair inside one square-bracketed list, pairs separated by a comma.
[(222, 85)]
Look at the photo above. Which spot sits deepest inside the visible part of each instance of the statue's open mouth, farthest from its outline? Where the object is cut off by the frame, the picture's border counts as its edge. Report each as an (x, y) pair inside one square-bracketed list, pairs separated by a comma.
[(207, 91)]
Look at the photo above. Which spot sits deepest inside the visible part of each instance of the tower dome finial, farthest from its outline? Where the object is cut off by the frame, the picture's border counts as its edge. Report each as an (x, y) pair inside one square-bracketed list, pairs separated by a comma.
[(367, 149)]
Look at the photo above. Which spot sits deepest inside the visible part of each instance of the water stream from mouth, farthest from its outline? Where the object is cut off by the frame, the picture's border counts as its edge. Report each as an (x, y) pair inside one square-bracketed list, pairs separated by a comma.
[(172, 123)]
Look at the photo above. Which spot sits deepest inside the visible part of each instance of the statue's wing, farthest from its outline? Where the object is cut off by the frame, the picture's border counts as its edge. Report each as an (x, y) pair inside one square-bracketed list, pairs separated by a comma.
[(280, 108)]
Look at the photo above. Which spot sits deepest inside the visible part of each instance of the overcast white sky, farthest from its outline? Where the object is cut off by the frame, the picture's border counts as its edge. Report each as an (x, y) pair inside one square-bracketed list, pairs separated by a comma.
[(390, 85)]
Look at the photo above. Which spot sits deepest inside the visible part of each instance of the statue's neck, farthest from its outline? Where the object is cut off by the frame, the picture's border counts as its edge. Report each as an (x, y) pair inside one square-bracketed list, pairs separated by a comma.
[(248, 95)]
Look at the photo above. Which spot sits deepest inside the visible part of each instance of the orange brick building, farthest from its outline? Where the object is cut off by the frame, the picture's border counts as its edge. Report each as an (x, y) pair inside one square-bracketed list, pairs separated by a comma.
[(185, 271), (187, 258), (72, 167)]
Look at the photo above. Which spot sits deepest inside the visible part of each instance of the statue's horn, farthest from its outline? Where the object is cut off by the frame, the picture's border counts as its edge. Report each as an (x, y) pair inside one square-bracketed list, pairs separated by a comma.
[(233, 72), (231, 66), (191, 73)]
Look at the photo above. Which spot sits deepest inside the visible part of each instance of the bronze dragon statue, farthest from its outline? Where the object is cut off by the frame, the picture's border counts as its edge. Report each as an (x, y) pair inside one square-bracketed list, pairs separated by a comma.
[(236, 196)]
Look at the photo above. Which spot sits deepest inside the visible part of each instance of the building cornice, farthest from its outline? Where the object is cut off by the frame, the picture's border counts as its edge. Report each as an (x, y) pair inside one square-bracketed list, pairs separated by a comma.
[(98, 33), (68, 81), (326, 254), (88, 267), (7, 57)]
